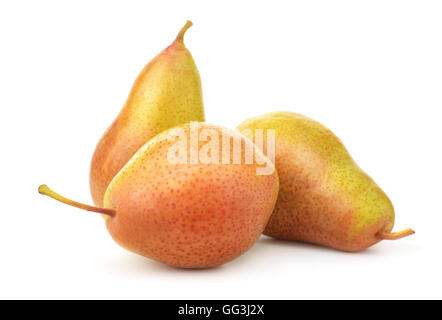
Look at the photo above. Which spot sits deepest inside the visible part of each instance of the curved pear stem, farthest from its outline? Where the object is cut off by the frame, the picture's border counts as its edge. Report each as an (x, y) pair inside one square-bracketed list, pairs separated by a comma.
[(395, 235), (45, 190), (180, 36)]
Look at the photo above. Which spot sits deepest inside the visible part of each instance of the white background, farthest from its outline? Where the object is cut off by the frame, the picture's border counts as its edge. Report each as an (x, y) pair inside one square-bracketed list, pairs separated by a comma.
[(371, 71)]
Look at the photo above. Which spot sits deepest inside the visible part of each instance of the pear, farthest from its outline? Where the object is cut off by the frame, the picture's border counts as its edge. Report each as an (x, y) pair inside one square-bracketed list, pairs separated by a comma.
[(166, 93), (324, 197), (189, 205)]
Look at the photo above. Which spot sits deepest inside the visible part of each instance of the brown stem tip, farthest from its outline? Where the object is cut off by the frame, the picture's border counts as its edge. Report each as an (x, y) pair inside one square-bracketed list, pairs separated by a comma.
[(180, 36), (45, 190), (394, 235)]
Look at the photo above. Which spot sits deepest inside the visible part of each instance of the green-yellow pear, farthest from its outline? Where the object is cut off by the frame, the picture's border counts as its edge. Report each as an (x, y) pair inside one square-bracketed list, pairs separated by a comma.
[(324, 197), (189, 205), (166, 93)]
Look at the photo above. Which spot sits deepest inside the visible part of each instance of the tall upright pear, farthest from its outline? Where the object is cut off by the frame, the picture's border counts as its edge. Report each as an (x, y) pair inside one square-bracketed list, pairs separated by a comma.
[(165, 94), (324, 196)]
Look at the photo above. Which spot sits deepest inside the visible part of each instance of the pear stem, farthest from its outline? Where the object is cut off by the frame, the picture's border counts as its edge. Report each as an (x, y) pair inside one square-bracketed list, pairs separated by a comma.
[(394, 235), (45, 190), (180, 36)]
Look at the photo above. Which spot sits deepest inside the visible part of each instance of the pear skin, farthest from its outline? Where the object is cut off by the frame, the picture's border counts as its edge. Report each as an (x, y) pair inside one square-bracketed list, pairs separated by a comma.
[(187, 214), (166, 93), (324, 197)]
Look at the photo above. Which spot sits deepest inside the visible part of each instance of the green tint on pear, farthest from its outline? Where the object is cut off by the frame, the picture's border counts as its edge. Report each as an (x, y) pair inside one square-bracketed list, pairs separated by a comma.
[(324, 197)]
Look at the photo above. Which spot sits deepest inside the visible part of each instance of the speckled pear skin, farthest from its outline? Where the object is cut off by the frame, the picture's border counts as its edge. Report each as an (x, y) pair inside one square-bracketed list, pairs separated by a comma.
[(324, 197), (189, 215), (166, 93)]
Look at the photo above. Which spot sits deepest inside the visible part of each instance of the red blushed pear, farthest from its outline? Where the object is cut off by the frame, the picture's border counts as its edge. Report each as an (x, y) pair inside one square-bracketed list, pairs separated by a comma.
[(324, 197), (165, 94), (186, 214)]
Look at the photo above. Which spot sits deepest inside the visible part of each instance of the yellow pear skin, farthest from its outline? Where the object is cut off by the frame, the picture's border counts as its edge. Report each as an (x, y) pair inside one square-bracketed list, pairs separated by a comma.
[(324, 197), (166, 93)]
